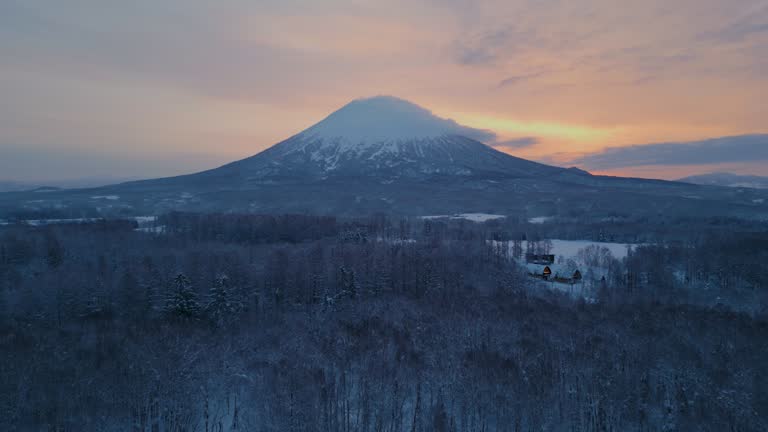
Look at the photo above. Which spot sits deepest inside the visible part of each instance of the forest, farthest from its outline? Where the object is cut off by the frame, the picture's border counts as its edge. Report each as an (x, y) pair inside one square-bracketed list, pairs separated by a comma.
[(223, 322)]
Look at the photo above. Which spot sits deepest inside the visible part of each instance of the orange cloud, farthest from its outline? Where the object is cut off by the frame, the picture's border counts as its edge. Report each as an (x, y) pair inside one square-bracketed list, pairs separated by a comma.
[(578, 78)]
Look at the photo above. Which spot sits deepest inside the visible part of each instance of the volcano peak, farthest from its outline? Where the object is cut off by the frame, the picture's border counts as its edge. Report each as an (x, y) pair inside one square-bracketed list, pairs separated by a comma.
[(383, 137), (386, 119)]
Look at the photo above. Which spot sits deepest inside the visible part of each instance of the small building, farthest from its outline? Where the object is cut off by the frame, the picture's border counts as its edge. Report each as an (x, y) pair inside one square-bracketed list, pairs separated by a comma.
[(554, 273), (546, 273), (543, 259), (571, 278)]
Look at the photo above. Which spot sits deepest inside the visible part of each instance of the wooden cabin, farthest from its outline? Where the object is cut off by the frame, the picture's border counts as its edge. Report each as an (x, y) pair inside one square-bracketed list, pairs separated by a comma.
[(544, 259), (554, 273), (566, 278)]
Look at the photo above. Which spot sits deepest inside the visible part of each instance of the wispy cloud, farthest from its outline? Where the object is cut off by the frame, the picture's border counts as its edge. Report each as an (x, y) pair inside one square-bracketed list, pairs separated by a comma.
[(516, 143), (743, 148), (481, 49), (753, 22), (519, 79), (482, 135), (500, 44), (584, 73)]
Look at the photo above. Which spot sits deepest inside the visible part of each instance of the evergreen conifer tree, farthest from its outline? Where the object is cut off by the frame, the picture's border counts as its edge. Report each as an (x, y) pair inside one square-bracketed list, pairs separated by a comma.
[(223, 303), (182, 301)]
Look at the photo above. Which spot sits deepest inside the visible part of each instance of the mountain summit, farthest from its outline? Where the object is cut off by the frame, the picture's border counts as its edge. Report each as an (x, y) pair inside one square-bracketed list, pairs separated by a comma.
[(364, 122)]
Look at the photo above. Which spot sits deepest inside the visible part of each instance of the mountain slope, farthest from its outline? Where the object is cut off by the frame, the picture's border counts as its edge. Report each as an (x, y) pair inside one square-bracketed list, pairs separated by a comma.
[(385, 154), (728, 180), (382, 137)]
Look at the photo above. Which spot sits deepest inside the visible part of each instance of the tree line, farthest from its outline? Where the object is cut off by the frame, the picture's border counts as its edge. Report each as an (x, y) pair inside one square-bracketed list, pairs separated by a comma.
[(299, 323)]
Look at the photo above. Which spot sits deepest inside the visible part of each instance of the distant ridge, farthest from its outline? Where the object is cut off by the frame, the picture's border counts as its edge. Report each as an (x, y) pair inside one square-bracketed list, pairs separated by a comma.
[(728, 180)]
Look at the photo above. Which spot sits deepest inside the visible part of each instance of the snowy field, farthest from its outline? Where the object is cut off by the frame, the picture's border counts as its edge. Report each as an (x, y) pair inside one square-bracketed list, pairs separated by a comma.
[(571, 248), (474, 217), (568, 250), (42, 222)]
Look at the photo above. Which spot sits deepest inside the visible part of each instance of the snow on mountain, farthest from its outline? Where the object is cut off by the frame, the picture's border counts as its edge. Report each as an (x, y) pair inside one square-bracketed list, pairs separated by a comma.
[(383, 119), (388, 137), (384, 131)]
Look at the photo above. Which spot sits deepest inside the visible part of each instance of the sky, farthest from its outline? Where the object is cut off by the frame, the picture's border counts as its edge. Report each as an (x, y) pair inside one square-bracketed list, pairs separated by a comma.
[(142, 88)]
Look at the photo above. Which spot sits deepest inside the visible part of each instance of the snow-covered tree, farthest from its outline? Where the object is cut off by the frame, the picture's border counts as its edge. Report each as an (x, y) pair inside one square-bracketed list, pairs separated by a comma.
[(517, 249), (182, 300), (223, 304)]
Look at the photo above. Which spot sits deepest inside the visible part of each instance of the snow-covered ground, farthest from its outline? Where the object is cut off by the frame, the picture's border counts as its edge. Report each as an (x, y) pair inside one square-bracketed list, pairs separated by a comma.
[(571, 248), (574, 290), (147, 224), (142, 220), (539, 219), (152, 229), (474, 217), (42, 222), (568, 259), (145, 219), (395, 241)]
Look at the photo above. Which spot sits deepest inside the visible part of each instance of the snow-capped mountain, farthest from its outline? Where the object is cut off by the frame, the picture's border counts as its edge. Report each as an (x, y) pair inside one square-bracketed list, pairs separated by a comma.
[(382, 137), (388, 155)]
